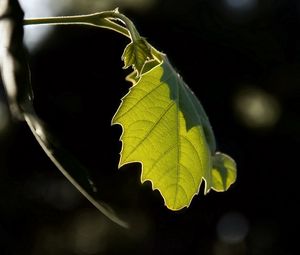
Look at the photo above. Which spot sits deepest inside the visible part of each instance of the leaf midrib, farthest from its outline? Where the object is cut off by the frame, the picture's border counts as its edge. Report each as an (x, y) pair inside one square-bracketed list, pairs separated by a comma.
[(151, 129), (178, 139), (145, 96)]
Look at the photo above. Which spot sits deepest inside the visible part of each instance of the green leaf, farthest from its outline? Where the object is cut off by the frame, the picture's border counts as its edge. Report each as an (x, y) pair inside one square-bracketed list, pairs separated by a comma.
[(136, 54), (223, 172), (166, 129)]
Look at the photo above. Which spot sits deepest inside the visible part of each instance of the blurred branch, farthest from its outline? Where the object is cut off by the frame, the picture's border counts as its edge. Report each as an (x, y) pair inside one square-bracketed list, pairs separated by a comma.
[(13, 65), (16, 79)]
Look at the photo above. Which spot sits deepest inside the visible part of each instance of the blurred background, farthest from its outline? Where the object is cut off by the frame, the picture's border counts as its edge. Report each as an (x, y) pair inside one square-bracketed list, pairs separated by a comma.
[(242, 60)]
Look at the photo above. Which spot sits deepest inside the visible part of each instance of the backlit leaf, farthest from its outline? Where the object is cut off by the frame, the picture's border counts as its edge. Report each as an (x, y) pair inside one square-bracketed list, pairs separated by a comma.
[(166, 129), (136, 54)]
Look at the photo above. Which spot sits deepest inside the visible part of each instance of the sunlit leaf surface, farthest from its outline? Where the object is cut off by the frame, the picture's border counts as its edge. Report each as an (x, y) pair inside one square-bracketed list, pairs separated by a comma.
[(166, 129)]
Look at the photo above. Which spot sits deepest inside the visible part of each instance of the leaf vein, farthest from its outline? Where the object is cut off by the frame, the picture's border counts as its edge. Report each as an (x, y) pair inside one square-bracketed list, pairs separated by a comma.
[(160, 158), (152, 128), (141, 99), (196, 152)]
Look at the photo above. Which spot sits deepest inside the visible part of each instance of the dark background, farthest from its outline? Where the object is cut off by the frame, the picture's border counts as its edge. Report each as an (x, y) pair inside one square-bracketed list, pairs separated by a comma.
[(232, 59)]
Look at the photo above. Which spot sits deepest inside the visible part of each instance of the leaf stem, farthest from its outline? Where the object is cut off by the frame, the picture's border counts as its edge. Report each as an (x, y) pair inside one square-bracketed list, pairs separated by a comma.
[(101, 19), (135, 36), (105, 19)]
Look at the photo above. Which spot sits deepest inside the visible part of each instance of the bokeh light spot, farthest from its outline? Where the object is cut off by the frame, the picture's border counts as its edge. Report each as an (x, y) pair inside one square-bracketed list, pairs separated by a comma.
[(89, 233), (257, 109), (241, 4), (232, 228)]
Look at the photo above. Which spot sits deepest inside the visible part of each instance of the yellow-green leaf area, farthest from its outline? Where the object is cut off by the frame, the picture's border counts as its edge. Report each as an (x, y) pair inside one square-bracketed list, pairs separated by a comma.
[(166, 129), (223, 172), (136, 54)]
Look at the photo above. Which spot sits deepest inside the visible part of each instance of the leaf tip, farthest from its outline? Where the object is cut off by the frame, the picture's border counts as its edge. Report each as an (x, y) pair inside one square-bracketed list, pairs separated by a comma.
[(224, 172)]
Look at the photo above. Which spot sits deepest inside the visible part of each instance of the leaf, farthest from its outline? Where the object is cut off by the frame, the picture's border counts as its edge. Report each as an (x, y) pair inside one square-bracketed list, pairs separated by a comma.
[(223, 172), (136, 54), (166, 129)]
